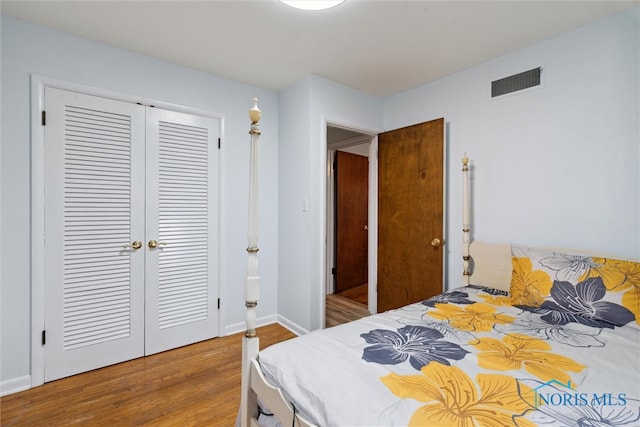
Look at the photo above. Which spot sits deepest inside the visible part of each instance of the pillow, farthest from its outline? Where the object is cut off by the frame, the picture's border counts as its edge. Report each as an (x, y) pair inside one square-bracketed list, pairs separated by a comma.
[(602, 292)]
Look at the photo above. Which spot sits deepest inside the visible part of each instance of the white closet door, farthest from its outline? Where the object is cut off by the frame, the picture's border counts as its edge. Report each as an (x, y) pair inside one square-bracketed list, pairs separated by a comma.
[(182, 217), (94, 198)]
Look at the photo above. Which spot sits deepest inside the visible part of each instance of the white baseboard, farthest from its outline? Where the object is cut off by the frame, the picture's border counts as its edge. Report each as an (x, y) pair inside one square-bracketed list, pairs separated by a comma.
[(292, 326), (15, 385), (242, 326), (267, 320)]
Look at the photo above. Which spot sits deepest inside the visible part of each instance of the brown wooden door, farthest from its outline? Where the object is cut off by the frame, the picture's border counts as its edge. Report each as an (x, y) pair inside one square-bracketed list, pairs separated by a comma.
[(410, 214), (352, 207)]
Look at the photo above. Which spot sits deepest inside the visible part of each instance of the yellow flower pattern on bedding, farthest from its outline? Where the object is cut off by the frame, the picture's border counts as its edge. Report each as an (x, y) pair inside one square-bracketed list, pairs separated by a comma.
[(528, 287), (620, 276), (496, 300), (607, 269), (451, 398), (516, 351), (474, 317)]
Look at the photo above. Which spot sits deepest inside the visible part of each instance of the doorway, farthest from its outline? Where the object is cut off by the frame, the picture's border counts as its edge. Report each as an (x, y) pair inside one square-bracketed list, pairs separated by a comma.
[(348, 196)]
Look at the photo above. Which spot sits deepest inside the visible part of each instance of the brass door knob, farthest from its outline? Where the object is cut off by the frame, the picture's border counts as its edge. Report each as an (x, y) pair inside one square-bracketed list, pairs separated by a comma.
[(436, 242), (137, 244), (155, 244)]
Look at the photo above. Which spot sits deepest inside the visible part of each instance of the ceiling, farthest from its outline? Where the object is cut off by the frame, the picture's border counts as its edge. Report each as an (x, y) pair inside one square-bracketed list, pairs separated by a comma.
[(378, 47)]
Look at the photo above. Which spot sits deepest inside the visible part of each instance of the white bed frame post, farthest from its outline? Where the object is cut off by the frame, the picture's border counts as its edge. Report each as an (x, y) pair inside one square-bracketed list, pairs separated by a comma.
[(250, 341), (466, 231)]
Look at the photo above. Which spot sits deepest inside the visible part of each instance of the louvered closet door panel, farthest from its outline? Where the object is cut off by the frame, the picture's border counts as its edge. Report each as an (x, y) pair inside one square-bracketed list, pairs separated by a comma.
[(94, 198), (182, 216)]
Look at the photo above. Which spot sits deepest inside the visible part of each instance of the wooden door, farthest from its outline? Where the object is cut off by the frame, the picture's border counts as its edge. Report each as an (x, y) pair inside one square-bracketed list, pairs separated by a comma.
[(94, 198), (352, 212), (410, 214)]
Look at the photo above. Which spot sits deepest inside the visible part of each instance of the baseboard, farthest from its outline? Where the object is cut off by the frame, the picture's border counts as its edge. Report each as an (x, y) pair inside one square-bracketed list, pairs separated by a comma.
[(242, 326), (292, 326), (14, 385), (267, 320)]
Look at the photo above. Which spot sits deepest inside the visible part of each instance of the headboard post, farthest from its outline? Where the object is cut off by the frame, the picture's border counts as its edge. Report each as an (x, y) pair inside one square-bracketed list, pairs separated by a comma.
[(466, 231)]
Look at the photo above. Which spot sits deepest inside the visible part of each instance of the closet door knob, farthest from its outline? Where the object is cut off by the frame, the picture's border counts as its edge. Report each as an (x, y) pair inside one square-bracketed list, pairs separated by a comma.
[(137, 244), (436, 242), (155, 244)]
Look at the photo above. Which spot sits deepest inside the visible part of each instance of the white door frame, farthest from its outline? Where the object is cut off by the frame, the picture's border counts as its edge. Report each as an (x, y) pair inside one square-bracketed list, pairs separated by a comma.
[(38, 85)]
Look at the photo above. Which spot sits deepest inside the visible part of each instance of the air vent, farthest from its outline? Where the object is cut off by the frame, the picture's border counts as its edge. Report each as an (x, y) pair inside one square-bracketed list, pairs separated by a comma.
[(516, 82)]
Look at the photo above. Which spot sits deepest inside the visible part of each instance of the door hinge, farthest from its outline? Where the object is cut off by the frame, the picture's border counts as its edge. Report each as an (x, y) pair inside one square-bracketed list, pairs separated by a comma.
[(44, 337), (43, 118), (218, 303), (333, 271), (219, 143)]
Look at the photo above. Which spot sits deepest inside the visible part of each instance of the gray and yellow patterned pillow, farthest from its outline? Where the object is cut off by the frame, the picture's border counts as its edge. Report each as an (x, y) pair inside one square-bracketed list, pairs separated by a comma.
[(601, 292)]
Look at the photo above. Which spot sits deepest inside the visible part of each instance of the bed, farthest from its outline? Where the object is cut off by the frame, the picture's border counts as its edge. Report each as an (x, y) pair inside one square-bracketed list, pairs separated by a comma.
[(534, 336)]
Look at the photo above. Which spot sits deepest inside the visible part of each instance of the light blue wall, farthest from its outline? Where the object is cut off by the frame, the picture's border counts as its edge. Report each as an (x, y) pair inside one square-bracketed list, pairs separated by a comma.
[(305, 110), (337, 104), (28, 49), (294, 234), (556, 166)]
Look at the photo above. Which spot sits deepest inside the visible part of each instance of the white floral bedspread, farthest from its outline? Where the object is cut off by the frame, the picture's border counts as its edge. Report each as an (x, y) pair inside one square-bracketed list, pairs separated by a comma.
[(463, 358)]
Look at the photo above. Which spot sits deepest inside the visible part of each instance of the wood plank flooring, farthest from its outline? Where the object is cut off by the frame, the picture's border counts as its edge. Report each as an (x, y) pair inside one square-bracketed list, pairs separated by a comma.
[(358, 293), (196, 385), (346, 306)]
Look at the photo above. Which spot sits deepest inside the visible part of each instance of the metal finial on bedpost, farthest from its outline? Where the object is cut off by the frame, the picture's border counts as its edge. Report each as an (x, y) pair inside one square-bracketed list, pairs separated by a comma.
[(466, 232), (251, 342)]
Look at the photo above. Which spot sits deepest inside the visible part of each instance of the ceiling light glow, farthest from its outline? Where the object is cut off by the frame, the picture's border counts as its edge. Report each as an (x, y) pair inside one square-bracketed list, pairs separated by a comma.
[(312, 4)]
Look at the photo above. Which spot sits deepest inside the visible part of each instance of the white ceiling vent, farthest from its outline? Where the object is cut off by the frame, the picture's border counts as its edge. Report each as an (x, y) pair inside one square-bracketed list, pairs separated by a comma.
[(517, 82)]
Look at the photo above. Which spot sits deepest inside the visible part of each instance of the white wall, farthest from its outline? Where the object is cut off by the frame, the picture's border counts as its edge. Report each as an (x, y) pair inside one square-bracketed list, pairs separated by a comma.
[(557, 166), (28, 49), (305, 109)]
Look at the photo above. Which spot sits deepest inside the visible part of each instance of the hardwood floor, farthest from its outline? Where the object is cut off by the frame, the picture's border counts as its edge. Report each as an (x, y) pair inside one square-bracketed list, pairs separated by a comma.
[(346, 306), (357, 293), (196, 385)]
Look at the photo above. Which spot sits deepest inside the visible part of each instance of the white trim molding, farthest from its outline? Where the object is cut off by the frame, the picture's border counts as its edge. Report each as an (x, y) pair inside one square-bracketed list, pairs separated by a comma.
[(15, 385)]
